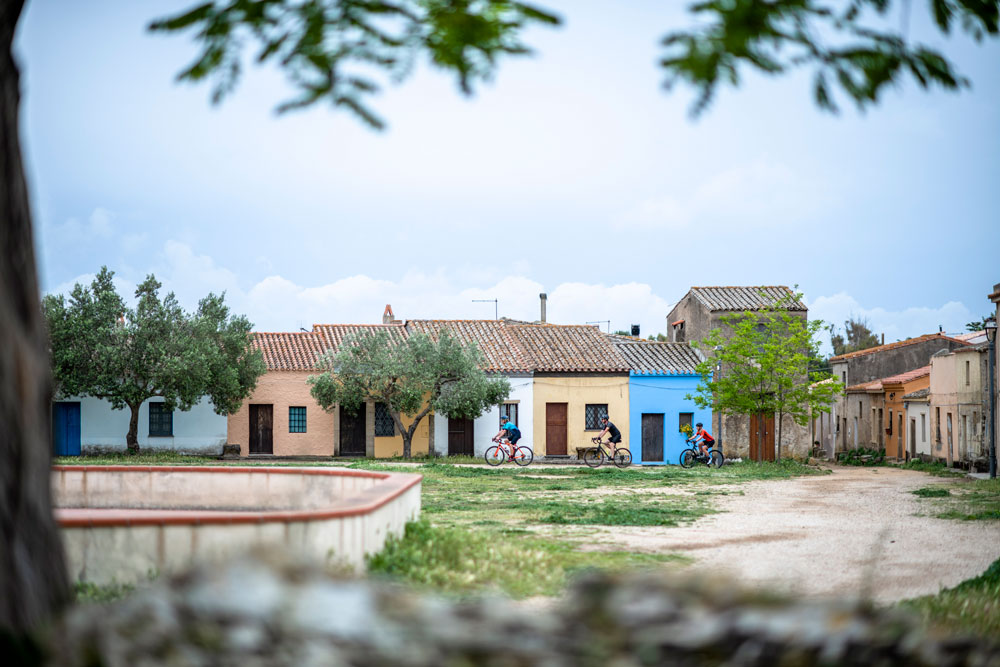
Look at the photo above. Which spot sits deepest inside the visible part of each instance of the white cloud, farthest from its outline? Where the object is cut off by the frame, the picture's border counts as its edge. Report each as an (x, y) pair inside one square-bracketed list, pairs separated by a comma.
[(98, 225), (100, 222), (895, 324), (762, 192)]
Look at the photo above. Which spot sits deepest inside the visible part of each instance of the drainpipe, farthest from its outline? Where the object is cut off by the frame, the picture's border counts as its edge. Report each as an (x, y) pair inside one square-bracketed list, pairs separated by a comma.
[(544, 298)]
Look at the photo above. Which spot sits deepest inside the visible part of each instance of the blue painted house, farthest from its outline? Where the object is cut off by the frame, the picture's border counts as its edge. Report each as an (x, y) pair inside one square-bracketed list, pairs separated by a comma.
[(660, 376)]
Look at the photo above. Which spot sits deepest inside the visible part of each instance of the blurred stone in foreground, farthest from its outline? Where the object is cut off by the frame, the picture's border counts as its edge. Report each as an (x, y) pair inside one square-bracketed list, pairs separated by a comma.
[(269, 611)]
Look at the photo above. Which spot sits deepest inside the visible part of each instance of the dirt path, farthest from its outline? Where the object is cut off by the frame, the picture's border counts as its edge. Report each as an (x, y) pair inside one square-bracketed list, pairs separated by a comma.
[(829, 535)]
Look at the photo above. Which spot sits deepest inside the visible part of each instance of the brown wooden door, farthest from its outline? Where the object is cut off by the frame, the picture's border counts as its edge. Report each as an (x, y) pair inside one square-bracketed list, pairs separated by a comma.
[(555, 429), (652, 438), (912, 445), (899, 437), (352, 432), (460, 433), (762, 437), (261, 429)]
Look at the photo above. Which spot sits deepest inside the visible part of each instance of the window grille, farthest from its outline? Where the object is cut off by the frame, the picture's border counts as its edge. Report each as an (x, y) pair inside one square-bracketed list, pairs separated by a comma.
[(593, 414), (508, 412), (384, 426), (161, 421), (297, 419)]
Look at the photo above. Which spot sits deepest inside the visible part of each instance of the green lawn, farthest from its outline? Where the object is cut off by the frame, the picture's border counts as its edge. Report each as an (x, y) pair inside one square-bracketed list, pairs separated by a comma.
[(523, 531), (971, 607)]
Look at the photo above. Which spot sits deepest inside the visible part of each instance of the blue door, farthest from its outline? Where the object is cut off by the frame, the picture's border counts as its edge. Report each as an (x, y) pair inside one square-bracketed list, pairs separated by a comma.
[(66, 429)]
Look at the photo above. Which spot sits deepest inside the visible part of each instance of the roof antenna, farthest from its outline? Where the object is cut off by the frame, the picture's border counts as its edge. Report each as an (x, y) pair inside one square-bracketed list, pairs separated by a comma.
[(608, 322)]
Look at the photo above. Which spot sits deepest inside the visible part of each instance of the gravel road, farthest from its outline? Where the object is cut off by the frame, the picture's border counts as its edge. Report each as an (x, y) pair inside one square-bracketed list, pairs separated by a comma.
[(853, 532)]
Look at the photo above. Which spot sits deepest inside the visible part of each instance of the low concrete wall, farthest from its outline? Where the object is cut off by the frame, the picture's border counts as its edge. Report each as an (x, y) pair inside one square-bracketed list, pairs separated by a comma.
[(122, 523)]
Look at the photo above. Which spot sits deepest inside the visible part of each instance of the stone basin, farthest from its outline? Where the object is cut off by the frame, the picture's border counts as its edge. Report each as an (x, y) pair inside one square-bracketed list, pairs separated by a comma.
[(124, 524)]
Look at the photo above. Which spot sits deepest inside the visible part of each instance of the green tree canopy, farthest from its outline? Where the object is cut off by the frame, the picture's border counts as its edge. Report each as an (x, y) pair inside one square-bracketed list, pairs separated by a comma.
[(103, 348), (857, 335), (980, 324), (765, 365), (411, 377), (339, 50)]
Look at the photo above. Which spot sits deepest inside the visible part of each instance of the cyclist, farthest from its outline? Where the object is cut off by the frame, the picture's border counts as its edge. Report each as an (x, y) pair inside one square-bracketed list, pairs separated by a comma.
[(612, 430), (703, 438), (509, 431)]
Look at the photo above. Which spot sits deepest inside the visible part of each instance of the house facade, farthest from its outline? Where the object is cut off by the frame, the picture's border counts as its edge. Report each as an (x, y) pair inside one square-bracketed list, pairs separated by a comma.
[(917, 407), (700, 311), (281, 418), (88, 425), (959, 405), (899, 433), (862, 411), (661, 376), (856, 369)]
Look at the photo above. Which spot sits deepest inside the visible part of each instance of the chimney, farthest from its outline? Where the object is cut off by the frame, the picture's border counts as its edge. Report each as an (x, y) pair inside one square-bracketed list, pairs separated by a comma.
[(544, 297), (635, 330), (883, 338), (387, 316)]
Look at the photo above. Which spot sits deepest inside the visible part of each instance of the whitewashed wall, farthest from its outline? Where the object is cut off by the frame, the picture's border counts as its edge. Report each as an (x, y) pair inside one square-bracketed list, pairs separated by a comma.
[(199, 430), (487, 425), (914, 411)]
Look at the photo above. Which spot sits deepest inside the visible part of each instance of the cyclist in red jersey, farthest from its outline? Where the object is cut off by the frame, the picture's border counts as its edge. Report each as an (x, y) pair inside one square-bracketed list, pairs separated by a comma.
[(703, 438)]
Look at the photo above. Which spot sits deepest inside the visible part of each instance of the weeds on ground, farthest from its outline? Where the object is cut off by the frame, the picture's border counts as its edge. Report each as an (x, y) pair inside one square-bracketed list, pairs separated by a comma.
[(462, 560), (861, 456), (932, 492), (87, 592), (975, 500), (971, 607), (935, 468)]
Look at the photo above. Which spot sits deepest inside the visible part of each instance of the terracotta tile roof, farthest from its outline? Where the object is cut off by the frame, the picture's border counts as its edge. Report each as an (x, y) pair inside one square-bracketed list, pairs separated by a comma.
[(333, 335), (501, 351), (897, 344), (567, 348), (908, 376), (289, 351), (918, 394), (871, 387), (744, 298), (646, 357)]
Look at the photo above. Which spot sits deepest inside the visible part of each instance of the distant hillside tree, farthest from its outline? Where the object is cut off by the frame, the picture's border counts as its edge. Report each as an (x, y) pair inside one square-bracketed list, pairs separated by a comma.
[(412, 377), (766, 361), (857, 336), (978, 325), (102, 348)]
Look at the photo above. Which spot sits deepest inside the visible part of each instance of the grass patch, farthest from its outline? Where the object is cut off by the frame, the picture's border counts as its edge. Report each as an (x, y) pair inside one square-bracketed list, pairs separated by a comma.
[(626, 512), (459, 560), (862, 456), (932, 492), (971, 607), (935, 468), (87, 592)]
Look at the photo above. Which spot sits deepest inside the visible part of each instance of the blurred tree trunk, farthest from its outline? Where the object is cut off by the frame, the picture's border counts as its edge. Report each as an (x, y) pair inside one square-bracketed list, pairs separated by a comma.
[(33, 579)]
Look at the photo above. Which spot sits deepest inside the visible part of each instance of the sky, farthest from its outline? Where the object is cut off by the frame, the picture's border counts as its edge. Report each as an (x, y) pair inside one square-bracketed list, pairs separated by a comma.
[(572, 172)]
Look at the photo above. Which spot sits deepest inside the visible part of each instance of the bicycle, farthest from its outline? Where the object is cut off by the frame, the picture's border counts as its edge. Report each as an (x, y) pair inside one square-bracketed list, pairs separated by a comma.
[(503, 451), (714, 459), (595, 456)]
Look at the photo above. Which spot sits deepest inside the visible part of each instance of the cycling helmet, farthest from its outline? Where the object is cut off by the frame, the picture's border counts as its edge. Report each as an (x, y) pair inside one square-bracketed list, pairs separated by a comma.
[(699, 424), (604, 418)]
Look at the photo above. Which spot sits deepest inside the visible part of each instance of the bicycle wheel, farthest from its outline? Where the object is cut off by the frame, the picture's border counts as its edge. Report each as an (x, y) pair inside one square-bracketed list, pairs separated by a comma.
[(523, 456), (716, 459), (688, 457), (495, 455), (623, 457), (593, 457)]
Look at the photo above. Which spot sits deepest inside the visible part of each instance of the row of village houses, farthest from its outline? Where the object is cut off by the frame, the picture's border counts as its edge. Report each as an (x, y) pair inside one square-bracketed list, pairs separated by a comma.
[(563, 379), (925, 397)]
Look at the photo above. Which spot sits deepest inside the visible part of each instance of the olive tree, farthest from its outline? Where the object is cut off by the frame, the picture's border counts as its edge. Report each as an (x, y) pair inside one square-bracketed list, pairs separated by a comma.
[(126, 355), (411, 376)]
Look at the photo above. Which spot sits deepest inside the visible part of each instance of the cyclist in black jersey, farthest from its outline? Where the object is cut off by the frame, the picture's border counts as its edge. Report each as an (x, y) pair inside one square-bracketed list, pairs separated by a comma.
[(614, 433)]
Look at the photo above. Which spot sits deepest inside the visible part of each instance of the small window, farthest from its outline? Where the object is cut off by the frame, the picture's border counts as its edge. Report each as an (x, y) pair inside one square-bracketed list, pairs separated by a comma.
[(966, 373), (297, 419), (843, 378), (508, 413), (384, 426), (686, 419), (161, 421), (923, 427), (593, 414)]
